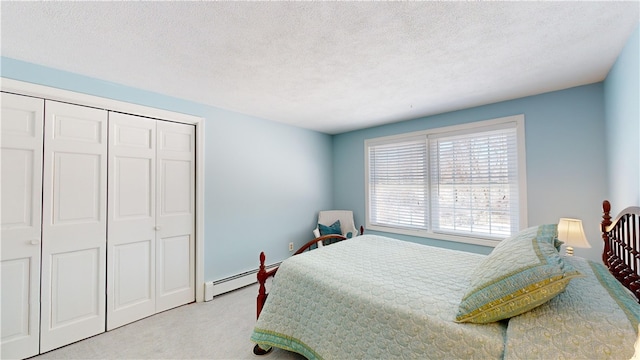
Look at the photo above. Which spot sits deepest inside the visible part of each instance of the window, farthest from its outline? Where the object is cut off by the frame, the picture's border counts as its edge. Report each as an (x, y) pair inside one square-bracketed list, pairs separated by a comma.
[(463, 183)]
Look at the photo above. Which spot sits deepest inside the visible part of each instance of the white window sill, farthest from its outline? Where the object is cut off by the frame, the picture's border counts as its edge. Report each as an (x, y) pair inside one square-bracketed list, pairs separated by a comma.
[(437, 236)]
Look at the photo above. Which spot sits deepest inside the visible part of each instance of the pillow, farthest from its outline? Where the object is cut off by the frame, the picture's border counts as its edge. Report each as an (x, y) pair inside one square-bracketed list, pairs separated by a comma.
[(333, 229), (522, 272)]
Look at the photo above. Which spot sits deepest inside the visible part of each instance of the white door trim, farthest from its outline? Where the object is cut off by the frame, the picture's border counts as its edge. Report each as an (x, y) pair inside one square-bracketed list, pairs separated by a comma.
[(51, 93)]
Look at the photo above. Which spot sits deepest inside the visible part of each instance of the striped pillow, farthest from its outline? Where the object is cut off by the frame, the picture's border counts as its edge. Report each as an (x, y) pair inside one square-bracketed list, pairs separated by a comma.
[(522, 272)]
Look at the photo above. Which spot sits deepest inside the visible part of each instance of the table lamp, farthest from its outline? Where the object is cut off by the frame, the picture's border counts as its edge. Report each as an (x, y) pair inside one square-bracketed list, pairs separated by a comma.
[(571, 232)]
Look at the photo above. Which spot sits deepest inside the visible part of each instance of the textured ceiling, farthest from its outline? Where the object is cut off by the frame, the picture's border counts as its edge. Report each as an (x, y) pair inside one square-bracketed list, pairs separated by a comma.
[(326, 66)]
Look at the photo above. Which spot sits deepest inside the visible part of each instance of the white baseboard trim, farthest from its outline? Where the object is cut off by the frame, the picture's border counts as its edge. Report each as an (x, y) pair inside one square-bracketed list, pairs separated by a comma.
[(219, 287)]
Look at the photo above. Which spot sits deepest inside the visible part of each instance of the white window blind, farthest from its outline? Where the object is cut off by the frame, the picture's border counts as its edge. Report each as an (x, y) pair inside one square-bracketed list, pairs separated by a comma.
[(398, 184), (474, 183)]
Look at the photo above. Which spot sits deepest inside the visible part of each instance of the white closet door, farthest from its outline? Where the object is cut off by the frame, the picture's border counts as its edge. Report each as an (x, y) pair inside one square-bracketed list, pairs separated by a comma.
[(22, 119), (175, 243), (131, 244), (74, 224)]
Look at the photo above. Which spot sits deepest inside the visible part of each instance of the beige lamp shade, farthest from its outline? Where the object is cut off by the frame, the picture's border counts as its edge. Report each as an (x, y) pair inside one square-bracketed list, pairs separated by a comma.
[(570, 231)]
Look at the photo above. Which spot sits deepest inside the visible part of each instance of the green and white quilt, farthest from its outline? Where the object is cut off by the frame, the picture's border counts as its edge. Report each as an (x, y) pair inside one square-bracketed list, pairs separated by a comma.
[(375, 298), (594, 318)]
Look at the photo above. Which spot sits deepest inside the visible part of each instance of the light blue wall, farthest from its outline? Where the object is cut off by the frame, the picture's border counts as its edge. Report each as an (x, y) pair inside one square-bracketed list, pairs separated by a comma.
[(265, 185), (565, 152), (265, 181), (622, 108)]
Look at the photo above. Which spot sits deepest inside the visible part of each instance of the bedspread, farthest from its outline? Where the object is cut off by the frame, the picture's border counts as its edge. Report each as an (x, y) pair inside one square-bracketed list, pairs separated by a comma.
[(594, 318), (375, 297)]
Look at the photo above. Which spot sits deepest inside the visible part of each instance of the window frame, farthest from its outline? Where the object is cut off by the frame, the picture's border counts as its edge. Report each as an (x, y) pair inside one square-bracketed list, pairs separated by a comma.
[(516, 121)]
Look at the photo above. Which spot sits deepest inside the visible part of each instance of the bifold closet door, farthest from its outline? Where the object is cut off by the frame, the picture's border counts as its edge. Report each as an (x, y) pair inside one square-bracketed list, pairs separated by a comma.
[(175, 216), (132, 219), (74, 224), (151, 246), (22, 122)]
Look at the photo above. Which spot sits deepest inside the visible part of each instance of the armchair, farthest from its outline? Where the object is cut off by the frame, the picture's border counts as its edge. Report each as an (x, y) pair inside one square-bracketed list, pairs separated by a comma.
[(338, 222)]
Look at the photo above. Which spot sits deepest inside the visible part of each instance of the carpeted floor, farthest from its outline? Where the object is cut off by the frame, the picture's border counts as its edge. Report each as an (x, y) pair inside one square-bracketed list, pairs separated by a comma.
[(218, 329)]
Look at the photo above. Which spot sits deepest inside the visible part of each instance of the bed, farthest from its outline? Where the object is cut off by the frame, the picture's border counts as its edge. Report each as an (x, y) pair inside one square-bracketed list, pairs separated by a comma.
[(377, 297)]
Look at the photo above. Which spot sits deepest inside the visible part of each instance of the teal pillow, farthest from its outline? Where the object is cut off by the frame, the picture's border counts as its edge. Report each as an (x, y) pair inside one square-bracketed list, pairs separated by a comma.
[(522, 272), (333, 229)]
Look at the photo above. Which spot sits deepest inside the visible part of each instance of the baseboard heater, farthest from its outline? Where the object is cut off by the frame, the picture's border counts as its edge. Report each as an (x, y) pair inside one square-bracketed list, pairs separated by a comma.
[(219, 287)]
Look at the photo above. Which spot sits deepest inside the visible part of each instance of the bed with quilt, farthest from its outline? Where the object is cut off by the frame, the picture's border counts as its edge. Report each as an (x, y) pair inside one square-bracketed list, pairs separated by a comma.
[(374, 297)]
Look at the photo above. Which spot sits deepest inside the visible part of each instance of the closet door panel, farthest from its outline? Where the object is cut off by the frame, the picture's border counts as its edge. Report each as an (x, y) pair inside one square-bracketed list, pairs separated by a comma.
[(75, 280), (131, 246), (21, 168), (18, 169), (74, 224), (175, 253), (15, 298)]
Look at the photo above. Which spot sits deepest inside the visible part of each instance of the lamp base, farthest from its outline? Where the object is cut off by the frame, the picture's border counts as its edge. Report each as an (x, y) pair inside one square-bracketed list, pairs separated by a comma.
[(569, 251)]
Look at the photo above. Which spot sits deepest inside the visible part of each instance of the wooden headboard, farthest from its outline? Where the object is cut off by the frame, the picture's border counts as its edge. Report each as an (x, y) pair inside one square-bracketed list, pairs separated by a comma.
[(621, 252)]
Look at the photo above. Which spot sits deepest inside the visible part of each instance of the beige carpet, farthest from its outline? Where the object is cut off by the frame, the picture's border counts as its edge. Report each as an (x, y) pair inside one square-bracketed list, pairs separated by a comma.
[(218, 329)]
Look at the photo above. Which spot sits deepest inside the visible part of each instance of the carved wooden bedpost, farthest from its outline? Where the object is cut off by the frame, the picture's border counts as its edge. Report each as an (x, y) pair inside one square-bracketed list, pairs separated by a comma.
[(606, 221), (262, 278), (263, 275)]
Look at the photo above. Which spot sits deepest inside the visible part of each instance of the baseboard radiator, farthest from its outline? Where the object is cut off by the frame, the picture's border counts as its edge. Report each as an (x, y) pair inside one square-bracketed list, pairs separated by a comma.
[(219, 287)]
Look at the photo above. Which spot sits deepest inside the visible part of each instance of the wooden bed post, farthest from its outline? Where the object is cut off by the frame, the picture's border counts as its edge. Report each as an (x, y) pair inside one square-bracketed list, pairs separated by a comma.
[(606, 221), (262, 278), (263, 275)]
